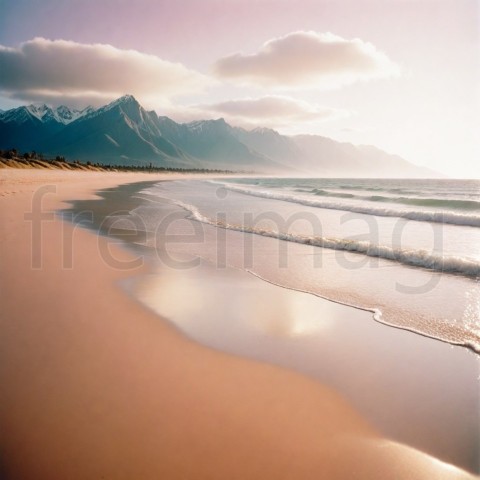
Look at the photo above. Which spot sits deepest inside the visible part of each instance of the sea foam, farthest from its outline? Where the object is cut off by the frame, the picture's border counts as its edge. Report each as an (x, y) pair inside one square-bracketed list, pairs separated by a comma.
[(410, 257), (448, 217)]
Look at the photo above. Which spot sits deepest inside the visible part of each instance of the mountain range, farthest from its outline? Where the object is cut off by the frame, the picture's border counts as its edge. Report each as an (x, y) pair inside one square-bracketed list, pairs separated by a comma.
[(123, 132)]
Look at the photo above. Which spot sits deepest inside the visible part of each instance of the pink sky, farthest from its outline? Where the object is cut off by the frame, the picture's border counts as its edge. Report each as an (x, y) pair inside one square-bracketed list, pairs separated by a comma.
[(428, 113)]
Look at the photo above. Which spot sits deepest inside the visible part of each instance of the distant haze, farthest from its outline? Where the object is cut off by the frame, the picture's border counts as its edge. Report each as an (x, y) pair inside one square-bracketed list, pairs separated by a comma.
[(400, 75), (124, 133)]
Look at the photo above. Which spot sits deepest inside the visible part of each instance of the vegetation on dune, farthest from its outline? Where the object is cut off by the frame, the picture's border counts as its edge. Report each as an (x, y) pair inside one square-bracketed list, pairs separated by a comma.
[(12, 158)]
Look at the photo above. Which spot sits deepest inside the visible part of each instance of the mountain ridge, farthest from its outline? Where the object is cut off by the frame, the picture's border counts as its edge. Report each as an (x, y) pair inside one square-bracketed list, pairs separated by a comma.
[(124, 132)]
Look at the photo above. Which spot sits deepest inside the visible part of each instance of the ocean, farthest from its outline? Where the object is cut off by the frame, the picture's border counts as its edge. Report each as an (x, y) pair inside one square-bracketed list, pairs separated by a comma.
[(408, 251), (239, 264)]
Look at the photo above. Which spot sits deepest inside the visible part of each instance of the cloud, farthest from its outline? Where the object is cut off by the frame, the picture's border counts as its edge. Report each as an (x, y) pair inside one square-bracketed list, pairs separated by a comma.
[(272, 110), (61, 70), (307, 59)]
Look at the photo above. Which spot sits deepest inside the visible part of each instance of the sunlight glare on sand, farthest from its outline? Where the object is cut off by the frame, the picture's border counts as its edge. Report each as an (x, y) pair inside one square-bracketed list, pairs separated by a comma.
[(185, 302)]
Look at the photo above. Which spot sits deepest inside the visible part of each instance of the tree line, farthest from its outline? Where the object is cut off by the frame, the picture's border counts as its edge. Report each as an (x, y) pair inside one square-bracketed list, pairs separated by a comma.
[(14, 154)]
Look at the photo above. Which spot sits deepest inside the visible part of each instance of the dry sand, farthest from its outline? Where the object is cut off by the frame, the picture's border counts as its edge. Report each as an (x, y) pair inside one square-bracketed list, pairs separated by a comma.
[(94, 386)]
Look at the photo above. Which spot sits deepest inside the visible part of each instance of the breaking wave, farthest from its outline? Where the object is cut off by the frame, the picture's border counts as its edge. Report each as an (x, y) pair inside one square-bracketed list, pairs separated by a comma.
[(410, 257), (419, 202), (452, 218)]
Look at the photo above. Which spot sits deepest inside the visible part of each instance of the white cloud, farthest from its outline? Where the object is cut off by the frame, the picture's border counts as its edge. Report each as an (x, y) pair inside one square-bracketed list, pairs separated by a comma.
[(307, 59), (61, 70), (272, 110), (282, 113)]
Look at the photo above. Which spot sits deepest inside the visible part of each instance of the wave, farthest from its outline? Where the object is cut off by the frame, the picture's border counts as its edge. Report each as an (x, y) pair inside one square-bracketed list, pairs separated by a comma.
[(409, 257), (398, 190), (325, 193), (418, 202), (361, 187), (424, 191), (469, 339), (452, 218)]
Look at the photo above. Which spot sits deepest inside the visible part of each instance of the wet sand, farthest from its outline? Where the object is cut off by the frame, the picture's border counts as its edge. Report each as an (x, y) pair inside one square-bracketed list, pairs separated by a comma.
[(94, 385), (410, 387)]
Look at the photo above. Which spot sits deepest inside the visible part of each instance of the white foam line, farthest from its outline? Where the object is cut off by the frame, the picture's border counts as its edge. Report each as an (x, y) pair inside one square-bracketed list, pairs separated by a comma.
[(376, 314), (421, 216), (413, 258)]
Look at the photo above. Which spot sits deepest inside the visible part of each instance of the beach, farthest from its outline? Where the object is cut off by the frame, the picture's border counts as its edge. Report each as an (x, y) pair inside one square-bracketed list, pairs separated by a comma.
[(105, 372)]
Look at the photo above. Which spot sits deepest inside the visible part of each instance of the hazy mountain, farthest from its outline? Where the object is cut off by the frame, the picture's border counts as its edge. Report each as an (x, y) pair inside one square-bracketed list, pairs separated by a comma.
[(270, 143), (124, 132), (332, 158), (215, 143)]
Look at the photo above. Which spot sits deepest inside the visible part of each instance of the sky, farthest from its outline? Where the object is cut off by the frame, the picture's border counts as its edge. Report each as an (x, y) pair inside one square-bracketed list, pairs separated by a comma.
[(402, 75)]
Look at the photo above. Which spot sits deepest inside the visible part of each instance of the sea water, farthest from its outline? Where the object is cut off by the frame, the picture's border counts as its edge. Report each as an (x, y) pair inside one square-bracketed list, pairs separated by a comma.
[(216, 246), (406, 250)]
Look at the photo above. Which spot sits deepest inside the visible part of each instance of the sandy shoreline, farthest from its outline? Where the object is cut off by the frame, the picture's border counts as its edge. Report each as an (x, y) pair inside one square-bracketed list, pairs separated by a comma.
[(94, 385), (232, 311)]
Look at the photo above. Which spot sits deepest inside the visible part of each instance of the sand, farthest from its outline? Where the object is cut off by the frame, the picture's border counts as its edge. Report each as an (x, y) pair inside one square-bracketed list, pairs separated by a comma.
[(95, 386)]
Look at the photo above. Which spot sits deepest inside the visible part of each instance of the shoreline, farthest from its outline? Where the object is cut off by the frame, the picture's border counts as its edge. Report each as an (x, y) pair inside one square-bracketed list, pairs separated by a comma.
[(97, 226), (430, 357), (425, 350), (97, 385)]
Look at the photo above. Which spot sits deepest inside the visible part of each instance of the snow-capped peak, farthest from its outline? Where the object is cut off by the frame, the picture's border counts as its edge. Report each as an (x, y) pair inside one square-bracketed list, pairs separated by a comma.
[(39, 111), (210, 125), (66, 115), (44, 113), (126, 98), (125, 101), (64, 112), (87, 110), (264, 131), (24, 114)]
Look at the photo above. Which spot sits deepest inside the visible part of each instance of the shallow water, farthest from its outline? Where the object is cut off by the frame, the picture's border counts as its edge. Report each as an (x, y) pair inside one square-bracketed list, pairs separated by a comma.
[(204, 279), (409, 387), (419, 275)]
